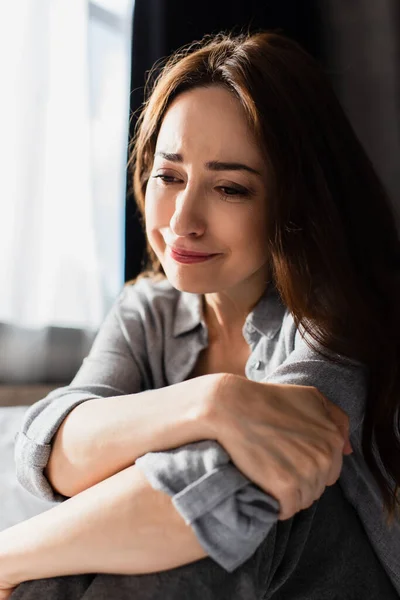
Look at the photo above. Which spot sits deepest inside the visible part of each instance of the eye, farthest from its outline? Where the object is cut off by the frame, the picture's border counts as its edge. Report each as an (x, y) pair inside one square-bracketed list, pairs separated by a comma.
[(166, 179), (233, 192)]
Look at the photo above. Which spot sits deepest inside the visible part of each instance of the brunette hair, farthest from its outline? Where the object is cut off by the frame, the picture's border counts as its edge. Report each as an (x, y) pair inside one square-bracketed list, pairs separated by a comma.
[(333, 243)]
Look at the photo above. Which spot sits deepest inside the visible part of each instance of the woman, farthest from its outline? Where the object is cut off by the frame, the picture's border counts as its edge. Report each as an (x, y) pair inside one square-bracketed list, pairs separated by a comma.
[(197, 440)]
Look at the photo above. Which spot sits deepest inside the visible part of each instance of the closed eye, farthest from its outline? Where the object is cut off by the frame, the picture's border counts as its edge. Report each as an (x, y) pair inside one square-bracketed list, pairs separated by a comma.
[(233, 192), (166, 178), (226, 192)]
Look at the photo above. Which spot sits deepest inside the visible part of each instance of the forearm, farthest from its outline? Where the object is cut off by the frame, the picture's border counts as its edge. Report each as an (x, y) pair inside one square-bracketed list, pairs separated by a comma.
[(121, 525), (103, 436)]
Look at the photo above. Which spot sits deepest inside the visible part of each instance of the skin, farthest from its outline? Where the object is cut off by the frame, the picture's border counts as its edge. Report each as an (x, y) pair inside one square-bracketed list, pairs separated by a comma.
[(209, 210)]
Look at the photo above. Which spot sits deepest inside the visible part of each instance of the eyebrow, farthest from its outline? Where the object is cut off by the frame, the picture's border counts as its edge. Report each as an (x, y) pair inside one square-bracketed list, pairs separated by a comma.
[(212, 165)]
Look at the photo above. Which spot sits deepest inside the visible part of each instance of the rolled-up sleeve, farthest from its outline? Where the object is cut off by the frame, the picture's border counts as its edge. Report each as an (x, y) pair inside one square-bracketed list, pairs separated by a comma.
[(110, 369), (231, 515)]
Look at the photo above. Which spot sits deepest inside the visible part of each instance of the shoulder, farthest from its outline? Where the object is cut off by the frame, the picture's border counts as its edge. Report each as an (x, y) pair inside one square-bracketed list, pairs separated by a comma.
[(150, 301), (304, 341)]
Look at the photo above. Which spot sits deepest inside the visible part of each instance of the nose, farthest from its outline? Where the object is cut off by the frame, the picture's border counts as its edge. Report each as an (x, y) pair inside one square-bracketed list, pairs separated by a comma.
[(188, 218)]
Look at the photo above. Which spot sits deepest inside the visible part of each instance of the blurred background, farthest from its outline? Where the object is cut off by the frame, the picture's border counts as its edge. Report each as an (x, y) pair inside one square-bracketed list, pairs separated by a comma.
[(73, 75)]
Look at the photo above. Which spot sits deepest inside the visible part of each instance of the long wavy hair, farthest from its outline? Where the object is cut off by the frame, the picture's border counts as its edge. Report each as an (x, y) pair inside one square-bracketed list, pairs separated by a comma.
[(333, 244)]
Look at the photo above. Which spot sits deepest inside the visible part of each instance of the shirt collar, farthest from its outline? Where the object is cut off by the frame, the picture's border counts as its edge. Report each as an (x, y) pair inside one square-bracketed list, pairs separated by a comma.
[(266, 317), (189, 313)]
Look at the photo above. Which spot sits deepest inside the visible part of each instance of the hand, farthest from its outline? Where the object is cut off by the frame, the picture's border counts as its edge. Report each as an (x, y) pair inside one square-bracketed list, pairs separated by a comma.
[(287, 439)]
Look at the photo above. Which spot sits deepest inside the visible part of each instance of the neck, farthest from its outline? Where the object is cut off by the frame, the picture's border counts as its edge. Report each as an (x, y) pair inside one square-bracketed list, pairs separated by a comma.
[(225, 312)]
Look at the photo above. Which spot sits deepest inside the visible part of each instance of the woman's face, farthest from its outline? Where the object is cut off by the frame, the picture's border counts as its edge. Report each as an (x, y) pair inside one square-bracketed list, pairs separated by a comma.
[(207, 193)]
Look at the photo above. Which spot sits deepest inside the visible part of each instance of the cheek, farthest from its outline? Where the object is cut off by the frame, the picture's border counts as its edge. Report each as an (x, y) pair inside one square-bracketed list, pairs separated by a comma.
[(251, 241), (156, 211), (155, 239), (250, 230)]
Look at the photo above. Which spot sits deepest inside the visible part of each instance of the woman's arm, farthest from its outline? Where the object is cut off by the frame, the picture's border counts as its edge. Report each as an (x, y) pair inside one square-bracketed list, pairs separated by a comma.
[(100, 437), (98, 424), (121, 525)]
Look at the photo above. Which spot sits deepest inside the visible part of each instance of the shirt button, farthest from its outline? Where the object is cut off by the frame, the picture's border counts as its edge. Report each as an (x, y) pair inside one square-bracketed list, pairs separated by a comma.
[(257, 364)]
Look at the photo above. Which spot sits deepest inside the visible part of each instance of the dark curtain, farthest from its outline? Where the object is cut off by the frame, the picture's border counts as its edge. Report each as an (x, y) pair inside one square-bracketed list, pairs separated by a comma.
[(357, 42), (362, 55)]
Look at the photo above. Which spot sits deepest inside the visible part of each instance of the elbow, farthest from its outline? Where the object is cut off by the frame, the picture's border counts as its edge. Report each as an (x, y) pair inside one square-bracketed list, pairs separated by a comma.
[(62, 471), (63, 479), (59, 480)]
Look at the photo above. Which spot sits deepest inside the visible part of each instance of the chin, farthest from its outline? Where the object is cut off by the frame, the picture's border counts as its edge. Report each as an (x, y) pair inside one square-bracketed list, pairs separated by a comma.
[(192, 284), (192, 287)]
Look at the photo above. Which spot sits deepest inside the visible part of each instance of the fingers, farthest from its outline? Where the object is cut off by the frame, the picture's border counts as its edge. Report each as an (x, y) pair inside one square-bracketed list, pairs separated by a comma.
[(336, 467), (292, 490), (289, 440), (298, 472), (307, 492), (292, 501), (290, 505), (340, 419)]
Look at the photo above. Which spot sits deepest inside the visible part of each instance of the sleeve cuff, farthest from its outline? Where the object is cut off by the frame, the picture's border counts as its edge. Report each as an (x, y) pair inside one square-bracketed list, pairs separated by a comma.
[(33, 458), (229, 515), (33, 442)]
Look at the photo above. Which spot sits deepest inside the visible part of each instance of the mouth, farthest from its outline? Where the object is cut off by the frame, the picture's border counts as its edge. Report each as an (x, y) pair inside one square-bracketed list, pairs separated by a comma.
[(190, 257)]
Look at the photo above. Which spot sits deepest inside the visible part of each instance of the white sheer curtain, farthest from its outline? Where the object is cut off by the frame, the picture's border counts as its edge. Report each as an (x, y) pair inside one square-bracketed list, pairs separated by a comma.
[(64, 111)]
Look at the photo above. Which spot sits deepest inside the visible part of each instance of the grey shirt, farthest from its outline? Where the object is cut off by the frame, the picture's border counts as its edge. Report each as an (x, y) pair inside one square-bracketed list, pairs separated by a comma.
[(150, 339)]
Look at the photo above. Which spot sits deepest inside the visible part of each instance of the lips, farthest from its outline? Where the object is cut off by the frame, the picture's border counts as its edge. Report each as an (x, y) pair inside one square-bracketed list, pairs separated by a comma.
[(189, 253), (190, 257)]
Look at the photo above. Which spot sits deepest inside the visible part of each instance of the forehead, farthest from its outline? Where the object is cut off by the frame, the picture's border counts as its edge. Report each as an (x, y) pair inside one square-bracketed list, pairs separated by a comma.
[(210, 122)]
